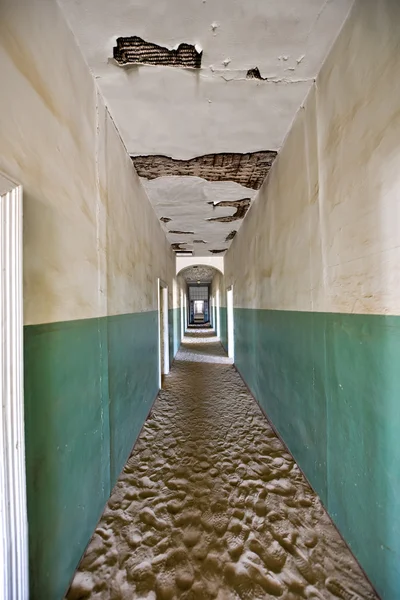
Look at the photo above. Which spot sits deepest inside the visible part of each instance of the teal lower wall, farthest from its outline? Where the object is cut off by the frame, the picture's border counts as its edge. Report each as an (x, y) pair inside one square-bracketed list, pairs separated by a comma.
[(223, 327), (132, 380), (330, 383), (89, 386), (175, 332)]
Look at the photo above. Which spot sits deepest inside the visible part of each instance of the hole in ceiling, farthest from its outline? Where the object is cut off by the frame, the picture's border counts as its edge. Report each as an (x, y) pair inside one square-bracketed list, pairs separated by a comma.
[(242, 206), (134, 50), (165, 219), (230, 236), (255, 74), (248, 170), (218, 251), (181, 232)]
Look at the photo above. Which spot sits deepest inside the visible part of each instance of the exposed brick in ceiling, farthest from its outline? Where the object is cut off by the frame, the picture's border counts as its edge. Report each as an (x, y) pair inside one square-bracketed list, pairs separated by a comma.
[(248, 169), (134, 50)]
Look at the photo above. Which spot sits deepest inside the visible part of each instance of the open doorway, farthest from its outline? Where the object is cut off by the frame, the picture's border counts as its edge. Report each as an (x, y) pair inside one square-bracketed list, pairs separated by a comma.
[(163, 331), (13, 512), (229, 310), (199, 300)]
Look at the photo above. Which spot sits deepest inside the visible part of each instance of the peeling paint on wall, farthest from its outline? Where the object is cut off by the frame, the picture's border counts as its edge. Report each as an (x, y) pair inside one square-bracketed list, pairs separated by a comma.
[(134, 50), (249, 169)]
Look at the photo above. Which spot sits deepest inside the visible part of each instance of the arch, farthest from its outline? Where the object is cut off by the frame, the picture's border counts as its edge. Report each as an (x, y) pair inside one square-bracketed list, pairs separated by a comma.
[(183, 262)]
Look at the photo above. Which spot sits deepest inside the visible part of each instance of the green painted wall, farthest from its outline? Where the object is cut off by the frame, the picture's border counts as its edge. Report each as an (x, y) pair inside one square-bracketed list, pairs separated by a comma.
[(330, 383), (132, 380), (174, 325), (88, 388), (223, 324)]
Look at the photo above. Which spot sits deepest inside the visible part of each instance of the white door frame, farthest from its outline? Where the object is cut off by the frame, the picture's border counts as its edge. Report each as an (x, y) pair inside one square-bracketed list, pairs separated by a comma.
[(163, 344), (217, 314), (13, 511), (183, 326), (230, 324)]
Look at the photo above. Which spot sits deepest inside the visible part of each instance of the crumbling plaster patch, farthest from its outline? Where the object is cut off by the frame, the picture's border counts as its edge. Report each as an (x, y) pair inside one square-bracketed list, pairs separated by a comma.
[(249, 169), (135, 50), (190, 202)]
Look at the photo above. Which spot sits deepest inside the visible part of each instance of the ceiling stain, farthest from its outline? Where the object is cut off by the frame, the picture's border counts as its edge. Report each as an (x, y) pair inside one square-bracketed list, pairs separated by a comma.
[(249, 169), (218, 251), (165, 219), (242, 206), (134, 50)]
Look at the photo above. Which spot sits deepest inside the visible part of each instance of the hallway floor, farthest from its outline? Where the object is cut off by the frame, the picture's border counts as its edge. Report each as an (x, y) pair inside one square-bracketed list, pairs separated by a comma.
[(211, 505)]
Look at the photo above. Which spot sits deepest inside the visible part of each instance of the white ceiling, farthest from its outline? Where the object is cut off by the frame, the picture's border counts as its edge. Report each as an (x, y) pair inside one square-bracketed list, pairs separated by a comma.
[(184, 113)]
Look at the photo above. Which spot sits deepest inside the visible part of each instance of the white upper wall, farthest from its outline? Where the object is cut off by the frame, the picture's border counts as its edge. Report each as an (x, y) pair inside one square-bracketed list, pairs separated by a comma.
[(324, 232), (92, 243)]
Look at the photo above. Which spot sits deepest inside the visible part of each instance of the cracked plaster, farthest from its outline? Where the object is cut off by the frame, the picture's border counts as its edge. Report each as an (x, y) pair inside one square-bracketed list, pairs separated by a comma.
[(184, 113)]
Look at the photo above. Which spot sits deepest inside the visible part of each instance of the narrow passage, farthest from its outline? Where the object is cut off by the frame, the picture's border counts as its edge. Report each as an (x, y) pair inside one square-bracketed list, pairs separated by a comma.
[(211, 505)]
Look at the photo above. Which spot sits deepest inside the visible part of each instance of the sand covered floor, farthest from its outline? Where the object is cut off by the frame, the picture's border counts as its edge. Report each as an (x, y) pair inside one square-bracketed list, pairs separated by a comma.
[(211, 505)]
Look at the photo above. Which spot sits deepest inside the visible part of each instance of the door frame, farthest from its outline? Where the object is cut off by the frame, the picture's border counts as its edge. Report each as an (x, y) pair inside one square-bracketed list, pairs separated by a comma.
[(14, 583), (218, 313), (230, 322), (163, 335)]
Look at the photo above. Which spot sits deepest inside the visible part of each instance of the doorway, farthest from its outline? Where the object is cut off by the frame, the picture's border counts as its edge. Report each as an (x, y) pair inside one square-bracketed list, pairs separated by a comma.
[(229, 310), (163, 334), (13, 512)]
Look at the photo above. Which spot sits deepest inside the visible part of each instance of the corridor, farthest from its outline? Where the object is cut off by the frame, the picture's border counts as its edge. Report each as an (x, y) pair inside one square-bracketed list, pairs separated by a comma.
[(211, 505)]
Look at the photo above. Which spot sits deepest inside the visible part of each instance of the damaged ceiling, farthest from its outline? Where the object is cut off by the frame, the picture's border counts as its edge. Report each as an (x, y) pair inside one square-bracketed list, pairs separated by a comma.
[(203, 94), (198, 274)]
